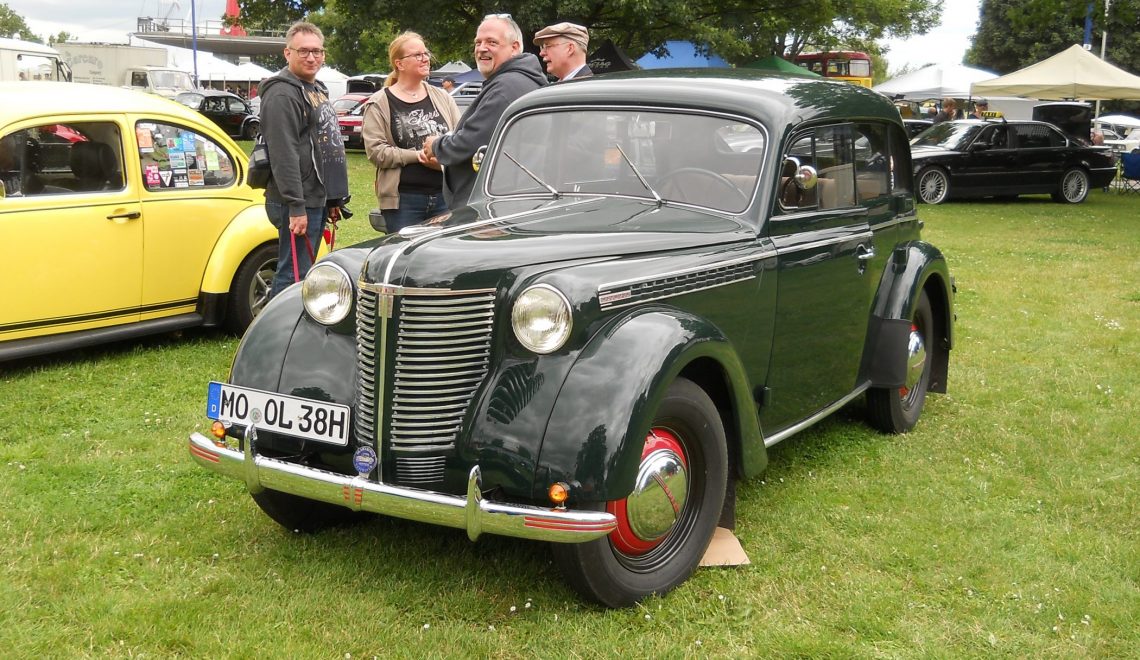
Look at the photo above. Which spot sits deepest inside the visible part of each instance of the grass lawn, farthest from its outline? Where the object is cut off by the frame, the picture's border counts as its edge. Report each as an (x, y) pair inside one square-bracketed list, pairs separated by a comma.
[(1006, 524)]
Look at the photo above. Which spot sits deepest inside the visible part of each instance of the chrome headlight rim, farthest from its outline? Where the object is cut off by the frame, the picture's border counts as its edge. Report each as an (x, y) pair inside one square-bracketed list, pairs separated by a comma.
[(323, 280), (558, 312)]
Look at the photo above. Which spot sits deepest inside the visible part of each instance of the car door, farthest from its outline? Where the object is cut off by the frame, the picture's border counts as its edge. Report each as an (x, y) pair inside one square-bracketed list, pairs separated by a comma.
[(990, 162), (824, 243), (77, 261), (1040, 156), (189, 195)]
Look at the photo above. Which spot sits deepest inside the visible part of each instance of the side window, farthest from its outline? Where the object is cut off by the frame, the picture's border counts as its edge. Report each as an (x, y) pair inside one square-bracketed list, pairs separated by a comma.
[(1037, 136), (175, 157), (901, 174), (59, 159), (236, 105), (831, 151), (872, 163)]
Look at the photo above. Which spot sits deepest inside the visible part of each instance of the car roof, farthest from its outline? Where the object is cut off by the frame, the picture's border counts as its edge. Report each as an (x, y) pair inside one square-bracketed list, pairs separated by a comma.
[(781, 97), (35, 98)]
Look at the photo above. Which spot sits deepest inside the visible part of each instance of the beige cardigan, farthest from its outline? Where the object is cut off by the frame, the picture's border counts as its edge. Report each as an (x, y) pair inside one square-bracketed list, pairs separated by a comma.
[(387, 157)]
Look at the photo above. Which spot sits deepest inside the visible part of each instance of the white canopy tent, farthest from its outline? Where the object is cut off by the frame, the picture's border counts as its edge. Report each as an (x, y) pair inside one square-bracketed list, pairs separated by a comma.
[(334, 80), (1074, 73), (936, 81), (1120, 120)]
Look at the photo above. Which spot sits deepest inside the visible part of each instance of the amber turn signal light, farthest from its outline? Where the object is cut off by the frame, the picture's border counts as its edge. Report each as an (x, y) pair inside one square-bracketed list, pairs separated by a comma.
[(218, 430), (558, 493)]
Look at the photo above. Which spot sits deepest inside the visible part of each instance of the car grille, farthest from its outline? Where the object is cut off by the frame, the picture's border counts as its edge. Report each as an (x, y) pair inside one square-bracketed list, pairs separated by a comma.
[(443, 345)]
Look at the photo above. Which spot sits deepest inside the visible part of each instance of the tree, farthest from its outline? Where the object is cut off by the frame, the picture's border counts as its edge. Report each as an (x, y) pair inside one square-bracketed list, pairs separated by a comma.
[(739, 30), (12, 25)]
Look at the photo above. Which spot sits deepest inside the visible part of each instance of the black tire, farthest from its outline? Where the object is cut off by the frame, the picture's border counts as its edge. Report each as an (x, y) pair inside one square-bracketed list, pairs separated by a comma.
[(252, 130), (896, 410), (1074, 187), (627, 566), (298, 514), (250, 289), (933, 185)]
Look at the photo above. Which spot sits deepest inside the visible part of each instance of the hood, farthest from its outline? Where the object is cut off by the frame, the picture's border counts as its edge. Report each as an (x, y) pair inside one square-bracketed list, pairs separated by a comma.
[(481, 243), (523, 64), (927, 151)]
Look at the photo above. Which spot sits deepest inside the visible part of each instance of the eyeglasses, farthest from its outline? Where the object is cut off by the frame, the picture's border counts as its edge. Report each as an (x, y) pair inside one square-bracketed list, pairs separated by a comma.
[(420, 57), (548, 46), (309, 52)]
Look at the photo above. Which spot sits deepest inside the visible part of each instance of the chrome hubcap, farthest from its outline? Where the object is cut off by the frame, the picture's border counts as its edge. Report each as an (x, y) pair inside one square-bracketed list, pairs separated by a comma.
[(915, 360), (658, 496)]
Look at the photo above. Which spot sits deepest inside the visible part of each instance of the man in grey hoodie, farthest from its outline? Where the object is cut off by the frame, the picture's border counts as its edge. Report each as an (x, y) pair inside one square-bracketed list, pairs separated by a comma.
[(309, 177), (509, 73)]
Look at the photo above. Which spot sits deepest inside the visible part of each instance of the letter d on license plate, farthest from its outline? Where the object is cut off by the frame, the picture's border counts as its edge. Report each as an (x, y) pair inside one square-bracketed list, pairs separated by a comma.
[(281, 413)]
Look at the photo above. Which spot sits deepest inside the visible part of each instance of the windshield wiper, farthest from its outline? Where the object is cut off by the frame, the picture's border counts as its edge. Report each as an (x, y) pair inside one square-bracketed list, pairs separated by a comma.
[(640, 178), (534, 176)]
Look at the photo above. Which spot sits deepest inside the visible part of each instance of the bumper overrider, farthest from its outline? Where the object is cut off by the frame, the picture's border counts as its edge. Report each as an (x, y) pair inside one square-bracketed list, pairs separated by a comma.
[(472, 513)]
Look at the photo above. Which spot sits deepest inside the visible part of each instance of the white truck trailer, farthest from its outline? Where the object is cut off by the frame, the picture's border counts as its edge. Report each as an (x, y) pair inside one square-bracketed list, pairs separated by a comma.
[(137, 67)]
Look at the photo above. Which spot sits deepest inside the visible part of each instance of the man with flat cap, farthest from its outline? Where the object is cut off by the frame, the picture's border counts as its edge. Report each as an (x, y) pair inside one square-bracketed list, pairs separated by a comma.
[(563, 47)]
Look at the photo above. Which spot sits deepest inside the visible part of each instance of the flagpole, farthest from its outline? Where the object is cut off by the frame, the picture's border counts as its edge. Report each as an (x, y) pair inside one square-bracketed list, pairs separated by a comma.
[(1103, 41), (194, 38)]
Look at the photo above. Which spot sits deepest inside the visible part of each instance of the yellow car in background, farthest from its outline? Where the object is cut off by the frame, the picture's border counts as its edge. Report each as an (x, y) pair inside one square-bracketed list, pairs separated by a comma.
[(127, 214)]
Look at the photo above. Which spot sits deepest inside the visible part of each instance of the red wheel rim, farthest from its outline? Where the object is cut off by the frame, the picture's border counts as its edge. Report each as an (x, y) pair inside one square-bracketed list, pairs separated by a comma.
[(623, 538)]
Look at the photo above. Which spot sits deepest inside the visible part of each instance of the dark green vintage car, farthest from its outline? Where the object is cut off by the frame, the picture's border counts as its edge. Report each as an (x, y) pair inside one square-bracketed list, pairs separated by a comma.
[(659, 276)]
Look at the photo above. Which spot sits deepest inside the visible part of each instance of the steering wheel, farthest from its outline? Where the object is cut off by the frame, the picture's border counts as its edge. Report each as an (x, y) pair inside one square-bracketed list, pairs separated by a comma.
[(684, 184)]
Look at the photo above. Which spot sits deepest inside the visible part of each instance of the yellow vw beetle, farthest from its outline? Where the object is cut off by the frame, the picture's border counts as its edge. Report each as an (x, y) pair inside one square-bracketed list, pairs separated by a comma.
[(127, 214)]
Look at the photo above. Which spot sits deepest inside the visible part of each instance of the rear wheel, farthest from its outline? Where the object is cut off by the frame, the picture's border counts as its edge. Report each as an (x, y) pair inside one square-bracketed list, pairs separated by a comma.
[(896, 410), (666, 523), (1074, 187), (250, 289), (251, 130), (933, 185)]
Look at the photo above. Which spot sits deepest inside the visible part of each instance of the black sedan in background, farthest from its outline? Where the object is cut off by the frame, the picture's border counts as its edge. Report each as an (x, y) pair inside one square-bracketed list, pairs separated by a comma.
[(229, 111), (978, 158)]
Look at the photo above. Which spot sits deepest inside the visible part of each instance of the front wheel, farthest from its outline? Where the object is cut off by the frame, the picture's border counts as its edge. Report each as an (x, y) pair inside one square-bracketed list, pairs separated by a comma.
[(666, 523), (896, 410), (1074, 187), (250, 289), (933, 185)]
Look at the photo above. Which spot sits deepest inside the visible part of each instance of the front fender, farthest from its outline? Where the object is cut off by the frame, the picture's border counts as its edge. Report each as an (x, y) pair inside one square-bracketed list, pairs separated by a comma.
[(247, 231), (605, 407), (915, 267)]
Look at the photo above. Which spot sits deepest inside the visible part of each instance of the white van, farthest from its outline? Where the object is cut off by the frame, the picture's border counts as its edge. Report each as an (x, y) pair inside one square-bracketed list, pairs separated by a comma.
[(27, 60)]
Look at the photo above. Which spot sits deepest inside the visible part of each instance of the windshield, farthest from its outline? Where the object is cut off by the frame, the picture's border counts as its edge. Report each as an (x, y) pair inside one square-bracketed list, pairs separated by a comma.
[(171, 79), (948, 135), (703, 160)]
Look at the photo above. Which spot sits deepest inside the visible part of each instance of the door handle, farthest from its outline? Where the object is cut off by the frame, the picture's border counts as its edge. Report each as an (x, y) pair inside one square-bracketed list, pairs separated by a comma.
[(129, 215), (864, 253)]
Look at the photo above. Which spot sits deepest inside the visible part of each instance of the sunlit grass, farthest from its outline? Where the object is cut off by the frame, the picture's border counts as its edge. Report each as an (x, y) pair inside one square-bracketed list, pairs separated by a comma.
[(1004, 525)]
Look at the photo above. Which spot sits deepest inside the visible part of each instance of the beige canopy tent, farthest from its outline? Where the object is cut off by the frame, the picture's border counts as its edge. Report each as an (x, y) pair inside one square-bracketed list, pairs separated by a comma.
[(1071, 74)]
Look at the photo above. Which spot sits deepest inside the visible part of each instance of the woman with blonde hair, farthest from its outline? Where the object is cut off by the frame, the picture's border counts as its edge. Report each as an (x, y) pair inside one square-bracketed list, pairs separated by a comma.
[(397, 119)]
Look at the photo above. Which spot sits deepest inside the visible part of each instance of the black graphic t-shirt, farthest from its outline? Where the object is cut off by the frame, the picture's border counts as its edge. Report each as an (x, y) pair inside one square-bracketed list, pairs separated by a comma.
[(329, 145), (412, 123)]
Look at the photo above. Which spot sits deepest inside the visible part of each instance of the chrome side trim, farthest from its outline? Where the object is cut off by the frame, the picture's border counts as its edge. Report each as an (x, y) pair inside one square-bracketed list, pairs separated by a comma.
[(700, 278), (787, 249), (824, 412), (472, 513)]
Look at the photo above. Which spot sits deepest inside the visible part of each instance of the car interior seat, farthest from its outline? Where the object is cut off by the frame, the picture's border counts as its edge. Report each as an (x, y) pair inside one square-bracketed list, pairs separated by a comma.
[(95, 166)]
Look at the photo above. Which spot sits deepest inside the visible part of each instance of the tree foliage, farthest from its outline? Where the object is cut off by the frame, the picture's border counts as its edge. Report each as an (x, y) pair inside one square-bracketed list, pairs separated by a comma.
[(739, 30), (12, 25)]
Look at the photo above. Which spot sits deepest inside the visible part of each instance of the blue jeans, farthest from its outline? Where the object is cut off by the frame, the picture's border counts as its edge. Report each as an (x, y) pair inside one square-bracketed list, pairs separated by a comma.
[(279, 216), (414, 209)]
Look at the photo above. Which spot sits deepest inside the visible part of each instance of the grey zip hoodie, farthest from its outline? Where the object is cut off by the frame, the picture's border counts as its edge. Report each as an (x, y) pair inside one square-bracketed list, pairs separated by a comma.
[(517, 76), (288, 124)]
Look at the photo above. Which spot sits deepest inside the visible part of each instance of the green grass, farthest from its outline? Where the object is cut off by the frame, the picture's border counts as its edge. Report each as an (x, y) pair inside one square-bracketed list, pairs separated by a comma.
[(1004, 525)]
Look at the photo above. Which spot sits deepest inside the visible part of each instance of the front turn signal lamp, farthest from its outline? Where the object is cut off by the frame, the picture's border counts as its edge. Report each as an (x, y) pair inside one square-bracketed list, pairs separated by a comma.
[(218, 430), (559, 492)]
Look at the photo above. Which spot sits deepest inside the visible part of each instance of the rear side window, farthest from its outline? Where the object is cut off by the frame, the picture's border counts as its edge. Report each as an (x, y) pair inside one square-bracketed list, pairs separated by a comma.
[(176, 157), (1038, 136), (56, 159), (831, 151)]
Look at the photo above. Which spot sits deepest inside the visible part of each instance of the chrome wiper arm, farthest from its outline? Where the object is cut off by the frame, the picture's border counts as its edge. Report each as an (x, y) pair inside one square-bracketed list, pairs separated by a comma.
[(640, 178), (534, 176)]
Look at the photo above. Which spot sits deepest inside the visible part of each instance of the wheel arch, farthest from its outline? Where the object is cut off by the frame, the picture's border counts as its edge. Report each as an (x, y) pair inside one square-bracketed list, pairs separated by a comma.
[(684, 345), (915, 268), (248, 231)]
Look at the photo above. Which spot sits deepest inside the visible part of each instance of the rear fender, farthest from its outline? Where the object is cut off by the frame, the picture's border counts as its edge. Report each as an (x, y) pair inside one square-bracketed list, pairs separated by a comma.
[(915, 267), (597, 429)]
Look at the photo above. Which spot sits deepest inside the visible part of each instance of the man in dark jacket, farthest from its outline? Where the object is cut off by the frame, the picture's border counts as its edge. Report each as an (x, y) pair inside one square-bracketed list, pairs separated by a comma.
[(509, 73), (306, 155)]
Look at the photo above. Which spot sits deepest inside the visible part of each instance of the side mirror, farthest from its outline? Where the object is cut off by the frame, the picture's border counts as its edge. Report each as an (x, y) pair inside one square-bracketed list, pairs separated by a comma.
[(477, 159), (980, 146)]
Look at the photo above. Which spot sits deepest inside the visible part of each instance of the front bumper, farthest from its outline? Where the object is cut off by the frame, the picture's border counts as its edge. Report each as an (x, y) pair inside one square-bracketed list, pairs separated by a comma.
[(473, 513)]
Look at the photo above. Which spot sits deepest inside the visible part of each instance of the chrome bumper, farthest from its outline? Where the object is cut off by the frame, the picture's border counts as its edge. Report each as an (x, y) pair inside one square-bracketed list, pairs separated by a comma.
[(472, 513)]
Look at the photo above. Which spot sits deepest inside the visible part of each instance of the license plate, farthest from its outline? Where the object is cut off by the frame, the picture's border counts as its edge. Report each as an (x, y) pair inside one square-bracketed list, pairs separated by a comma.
[(281, 413)]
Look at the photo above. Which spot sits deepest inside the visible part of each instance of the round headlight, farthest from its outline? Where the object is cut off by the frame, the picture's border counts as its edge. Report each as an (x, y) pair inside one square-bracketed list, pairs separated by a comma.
[(327, 293), (541, 319)]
